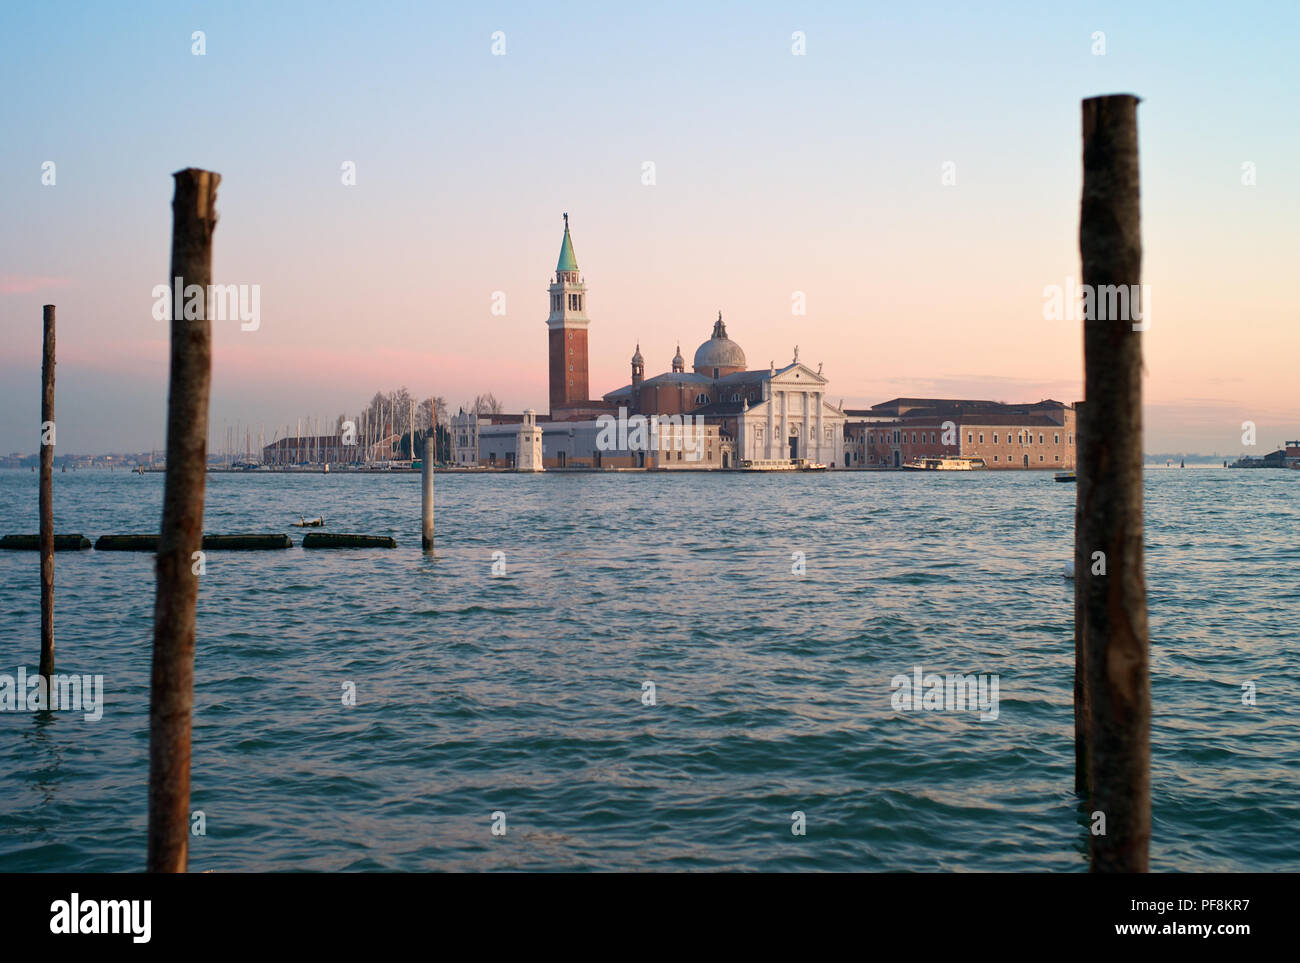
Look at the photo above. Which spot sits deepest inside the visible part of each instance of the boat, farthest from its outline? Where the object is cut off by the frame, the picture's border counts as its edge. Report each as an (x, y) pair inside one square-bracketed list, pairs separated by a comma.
[(945, 463), (309, 522), (759, 464), (803, 464), (1065, 476)]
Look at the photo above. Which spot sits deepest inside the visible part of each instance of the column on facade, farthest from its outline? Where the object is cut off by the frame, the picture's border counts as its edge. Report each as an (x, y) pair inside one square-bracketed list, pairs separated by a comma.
[(771, 422), (808, 441), (784, 450), (817, 400)]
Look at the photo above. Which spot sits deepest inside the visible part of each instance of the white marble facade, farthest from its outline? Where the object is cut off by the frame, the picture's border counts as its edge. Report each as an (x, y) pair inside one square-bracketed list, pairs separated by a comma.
[(794, 420)]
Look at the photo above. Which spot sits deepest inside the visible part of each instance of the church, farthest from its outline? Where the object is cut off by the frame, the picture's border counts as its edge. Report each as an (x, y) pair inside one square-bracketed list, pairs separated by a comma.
[(772, 415), (768, 417)]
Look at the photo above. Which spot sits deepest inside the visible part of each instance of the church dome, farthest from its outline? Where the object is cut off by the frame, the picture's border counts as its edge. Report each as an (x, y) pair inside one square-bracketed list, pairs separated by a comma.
[(719, 352)]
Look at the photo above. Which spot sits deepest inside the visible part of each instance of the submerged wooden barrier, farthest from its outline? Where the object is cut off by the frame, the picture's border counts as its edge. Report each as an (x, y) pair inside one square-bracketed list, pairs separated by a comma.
[(323, 540), (149, 543), (62, 543), (126, 543), (246, 542)]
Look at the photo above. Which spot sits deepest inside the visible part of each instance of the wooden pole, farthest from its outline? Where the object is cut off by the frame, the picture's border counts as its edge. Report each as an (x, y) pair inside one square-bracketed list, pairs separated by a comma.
[(172, 693), (46, 497), (1081, 562), (426, 496), (1115, 643)]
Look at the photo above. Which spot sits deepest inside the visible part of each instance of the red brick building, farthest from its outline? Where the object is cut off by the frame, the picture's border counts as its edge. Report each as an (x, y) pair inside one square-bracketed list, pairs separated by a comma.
[(1025, 436)]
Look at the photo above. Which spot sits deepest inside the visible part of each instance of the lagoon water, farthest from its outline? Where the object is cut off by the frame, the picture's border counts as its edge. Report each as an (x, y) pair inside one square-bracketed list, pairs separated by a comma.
[(521, 692)]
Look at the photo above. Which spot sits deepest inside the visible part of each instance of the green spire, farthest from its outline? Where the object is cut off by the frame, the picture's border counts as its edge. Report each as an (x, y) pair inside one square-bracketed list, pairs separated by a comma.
[(567, 260)]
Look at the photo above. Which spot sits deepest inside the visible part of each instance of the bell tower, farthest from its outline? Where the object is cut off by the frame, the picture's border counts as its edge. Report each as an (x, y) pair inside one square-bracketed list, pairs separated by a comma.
[(567, 330)]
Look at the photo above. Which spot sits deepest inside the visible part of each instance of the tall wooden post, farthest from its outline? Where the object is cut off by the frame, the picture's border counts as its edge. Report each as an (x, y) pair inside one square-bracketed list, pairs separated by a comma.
[(1081, 562), (1113, 607), (172, 685), (426, 496), (46, 497)]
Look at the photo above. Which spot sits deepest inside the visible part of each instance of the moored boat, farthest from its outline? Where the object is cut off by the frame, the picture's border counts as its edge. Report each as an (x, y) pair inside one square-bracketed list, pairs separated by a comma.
[(944, 464)]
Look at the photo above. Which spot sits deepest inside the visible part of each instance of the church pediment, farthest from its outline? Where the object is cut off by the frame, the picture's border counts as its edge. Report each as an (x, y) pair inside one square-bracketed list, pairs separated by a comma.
[(798, 375)]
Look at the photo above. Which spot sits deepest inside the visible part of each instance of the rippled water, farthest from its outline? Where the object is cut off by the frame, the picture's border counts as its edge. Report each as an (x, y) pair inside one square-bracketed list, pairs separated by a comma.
[(521, 693)]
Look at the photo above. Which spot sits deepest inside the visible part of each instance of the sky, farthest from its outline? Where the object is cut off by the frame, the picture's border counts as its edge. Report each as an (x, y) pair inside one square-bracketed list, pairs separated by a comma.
[(775, 174)]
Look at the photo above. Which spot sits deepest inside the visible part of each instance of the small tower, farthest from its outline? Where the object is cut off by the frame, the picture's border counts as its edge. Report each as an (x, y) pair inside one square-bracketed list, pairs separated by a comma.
[(567, 329), (528, 450), (638, 367), (679, 363)]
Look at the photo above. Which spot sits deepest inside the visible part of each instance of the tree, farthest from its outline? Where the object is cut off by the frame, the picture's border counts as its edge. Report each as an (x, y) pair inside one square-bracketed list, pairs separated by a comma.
[(487, 404)]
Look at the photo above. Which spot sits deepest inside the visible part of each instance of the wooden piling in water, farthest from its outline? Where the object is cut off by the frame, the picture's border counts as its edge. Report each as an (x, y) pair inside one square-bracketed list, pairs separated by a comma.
[(1081, 562), (46, 496), (426, 495), (1113, 605), (172, 682)]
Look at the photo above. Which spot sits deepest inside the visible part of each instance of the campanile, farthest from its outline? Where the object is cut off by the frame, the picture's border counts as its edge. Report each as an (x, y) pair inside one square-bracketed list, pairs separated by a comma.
[(567, 330)]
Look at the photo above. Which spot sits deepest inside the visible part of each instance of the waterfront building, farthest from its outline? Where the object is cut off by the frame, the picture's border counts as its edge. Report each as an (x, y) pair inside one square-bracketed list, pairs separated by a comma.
[(777, 414), (1004, 436), (490, 441), (773, 414)]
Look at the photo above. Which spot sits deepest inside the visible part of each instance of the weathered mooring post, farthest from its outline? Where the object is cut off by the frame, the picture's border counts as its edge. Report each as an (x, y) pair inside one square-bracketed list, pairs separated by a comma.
[(172, 685), (1081, 562), (1112, 584), (426, 495), (46, 497)]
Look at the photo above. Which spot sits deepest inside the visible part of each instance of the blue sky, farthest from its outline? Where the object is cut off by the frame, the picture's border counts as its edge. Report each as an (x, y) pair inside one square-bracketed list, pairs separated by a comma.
[(775, 174)]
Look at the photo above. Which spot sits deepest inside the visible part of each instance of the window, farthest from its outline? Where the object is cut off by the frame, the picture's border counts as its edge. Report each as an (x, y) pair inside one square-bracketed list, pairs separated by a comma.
[(735, 397), (981, 437), (995, 437), (970, 438), (1040, 437), (1040, 458), (1069, 439), (995, 457), (829, 436), (701, 399), (914, 438)]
